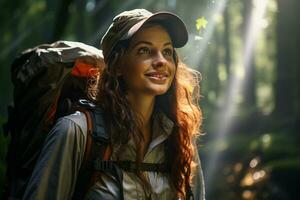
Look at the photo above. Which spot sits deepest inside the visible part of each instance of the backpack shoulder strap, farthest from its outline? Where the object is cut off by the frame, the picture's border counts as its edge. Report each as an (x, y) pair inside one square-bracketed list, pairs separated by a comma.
[(97, 145)]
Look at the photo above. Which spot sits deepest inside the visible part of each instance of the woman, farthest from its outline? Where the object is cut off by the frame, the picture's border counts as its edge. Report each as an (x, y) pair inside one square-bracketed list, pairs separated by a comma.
[(147, 98)]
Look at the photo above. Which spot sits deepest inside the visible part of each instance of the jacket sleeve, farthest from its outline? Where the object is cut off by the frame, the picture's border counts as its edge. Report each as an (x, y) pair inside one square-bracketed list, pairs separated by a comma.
[(198, 179), (55, 173)]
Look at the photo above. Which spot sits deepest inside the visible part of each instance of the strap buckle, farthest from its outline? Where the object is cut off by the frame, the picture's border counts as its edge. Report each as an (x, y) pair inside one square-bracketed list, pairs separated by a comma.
[(103, 165), (127, 165)]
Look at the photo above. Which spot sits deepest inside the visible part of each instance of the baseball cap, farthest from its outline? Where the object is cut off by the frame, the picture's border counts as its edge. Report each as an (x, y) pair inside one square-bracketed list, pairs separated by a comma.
[(127, 23)]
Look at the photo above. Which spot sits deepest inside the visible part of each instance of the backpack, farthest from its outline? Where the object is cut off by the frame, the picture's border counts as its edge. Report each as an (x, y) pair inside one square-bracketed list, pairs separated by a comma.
[(48, 80)]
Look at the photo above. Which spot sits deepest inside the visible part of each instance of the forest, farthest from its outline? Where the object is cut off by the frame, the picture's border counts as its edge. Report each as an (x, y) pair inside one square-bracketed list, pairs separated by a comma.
[(248, 54)]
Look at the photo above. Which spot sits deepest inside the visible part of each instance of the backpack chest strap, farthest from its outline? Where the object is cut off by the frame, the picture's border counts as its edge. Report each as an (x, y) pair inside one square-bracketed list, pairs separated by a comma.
[(130, 166)]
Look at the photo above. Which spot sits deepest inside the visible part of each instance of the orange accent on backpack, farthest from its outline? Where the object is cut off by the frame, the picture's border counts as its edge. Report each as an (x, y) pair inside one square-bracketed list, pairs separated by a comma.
[(82, 69)]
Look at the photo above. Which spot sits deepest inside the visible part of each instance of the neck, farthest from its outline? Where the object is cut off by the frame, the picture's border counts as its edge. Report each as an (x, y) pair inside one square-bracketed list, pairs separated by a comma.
[(143, 105)]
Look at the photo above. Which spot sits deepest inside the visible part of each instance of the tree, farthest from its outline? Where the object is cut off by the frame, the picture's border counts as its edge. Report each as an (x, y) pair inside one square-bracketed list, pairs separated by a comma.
[(287, 94)]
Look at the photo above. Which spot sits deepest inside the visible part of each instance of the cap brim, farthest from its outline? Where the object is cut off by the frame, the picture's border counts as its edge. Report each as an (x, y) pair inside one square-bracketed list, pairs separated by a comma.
[(173, 24)]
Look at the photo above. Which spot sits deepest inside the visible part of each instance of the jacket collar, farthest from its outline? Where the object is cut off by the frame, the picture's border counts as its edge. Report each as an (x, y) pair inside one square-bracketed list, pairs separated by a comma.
[(162, 124), (162, 128)]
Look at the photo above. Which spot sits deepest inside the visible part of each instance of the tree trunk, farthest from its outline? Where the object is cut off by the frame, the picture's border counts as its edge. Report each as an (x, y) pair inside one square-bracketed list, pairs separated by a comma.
[(61, 21), (287, 94), (227, 40), (249, 90), (80, 20)]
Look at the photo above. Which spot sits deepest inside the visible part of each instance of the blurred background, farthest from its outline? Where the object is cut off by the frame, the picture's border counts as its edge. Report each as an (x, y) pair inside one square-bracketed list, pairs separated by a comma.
[(248, 54)]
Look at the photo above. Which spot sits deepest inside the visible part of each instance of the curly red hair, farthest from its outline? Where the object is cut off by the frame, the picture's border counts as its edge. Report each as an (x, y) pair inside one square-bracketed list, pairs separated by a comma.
[(179, 103), (182, 108)]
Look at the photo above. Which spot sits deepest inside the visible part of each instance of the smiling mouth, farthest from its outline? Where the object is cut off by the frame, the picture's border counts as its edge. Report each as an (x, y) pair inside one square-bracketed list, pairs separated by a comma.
[(159, 76)]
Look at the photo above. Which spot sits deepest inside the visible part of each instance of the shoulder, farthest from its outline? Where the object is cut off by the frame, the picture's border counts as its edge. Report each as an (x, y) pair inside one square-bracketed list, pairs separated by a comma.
[(68, 132), (75, 121), (78, 118)]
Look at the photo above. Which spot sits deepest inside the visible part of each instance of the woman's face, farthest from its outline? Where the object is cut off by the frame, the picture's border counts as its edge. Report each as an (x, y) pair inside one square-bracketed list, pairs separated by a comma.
[(147, 66)]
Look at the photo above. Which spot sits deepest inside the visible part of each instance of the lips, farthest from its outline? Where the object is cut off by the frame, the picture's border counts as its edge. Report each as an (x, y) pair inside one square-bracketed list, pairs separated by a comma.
[(159, 75)]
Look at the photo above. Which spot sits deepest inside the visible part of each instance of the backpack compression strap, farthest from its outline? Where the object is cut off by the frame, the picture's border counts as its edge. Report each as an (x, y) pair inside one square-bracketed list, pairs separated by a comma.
[(130, 166)]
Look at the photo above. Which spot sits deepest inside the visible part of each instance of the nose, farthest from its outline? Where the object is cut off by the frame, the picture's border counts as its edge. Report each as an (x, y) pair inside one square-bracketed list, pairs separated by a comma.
[(159, 60)]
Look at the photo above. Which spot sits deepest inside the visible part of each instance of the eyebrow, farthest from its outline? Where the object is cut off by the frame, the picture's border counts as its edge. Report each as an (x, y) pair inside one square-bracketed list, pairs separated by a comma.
[(149, 43)]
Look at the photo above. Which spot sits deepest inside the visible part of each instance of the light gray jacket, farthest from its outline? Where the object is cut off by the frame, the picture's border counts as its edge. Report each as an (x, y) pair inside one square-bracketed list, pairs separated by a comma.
[(55, 173)]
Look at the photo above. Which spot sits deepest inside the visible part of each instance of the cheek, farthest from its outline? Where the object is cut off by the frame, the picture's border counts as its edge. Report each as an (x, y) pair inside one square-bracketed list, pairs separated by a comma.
[(132, 74), (134, 71), (135, 68)]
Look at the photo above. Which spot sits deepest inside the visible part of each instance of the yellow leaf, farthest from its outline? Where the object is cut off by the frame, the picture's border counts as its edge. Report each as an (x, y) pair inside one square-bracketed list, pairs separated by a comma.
[(201, 22)]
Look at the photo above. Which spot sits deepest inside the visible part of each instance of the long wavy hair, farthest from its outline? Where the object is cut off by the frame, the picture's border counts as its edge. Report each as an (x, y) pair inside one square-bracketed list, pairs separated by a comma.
[(179, 103)]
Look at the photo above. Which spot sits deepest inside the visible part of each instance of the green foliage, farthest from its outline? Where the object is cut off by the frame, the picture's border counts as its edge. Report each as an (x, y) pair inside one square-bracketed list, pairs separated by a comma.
[(201, 23), (200, 26)]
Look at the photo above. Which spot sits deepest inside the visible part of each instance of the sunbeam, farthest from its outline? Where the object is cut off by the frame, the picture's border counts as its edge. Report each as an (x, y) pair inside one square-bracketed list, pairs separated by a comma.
[(237, 83)]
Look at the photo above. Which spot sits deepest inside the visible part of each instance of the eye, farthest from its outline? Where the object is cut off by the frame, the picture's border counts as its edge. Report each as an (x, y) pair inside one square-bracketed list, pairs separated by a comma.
[(168, 52), (144, 50)]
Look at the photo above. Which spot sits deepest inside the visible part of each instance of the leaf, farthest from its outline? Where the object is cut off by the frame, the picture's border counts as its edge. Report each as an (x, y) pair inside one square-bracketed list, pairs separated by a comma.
[(201, 23)]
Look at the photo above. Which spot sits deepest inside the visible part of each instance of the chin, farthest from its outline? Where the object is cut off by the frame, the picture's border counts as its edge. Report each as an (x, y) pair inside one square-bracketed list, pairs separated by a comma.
[(158, 90)]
